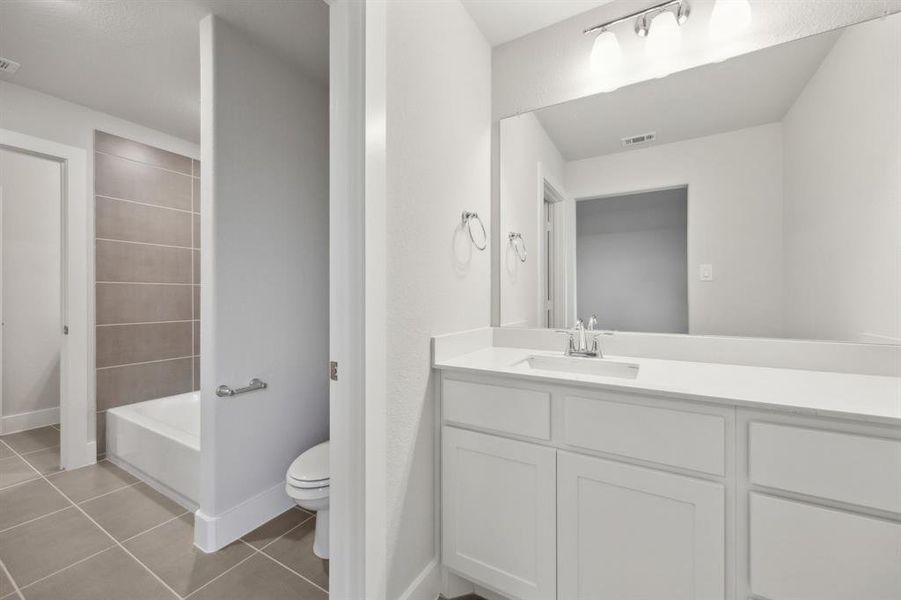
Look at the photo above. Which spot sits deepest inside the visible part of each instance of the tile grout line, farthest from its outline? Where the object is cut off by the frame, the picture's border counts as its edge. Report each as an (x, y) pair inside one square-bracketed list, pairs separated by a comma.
[(275, 560), (193, 279), (146, 362), (145, 323), (144, 282), (67, 567), (138, 202), (166, 522), (9, 576), (108, 534), (100, 239), (253, 553), (151, 165)]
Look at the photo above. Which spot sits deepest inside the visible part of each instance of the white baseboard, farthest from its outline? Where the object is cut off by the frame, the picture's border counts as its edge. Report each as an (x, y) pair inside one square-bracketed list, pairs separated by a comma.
[(214, 532), (29, 420), (427, 584)]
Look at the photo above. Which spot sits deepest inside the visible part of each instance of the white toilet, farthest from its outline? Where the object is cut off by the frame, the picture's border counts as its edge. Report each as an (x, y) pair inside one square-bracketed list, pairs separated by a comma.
[(307, 482)]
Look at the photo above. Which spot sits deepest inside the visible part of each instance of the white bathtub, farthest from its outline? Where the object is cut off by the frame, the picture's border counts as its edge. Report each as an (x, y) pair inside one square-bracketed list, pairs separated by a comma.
[(159, 442)]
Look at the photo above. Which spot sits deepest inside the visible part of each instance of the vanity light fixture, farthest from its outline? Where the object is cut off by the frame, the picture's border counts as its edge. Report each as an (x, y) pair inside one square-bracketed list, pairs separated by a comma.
[(644, 19)]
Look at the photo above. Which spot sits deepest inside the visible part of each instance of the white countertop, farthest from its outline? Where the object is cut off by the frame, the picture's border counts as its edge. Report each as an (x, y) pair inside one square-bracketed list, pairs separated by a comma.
[(872, 398)]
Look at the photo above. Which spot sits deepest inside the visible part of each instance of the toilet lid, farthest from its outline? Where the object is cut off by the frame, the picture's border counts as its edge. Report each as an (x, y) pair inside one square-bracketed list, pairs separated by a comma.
[(311, 466)]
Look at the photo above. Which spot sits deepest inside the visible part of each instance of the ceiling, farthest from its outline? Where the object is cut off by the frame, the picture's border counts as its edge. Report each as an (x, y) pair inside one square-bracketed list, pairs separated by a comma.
[(139, 59), (505, 20), (753, 89)]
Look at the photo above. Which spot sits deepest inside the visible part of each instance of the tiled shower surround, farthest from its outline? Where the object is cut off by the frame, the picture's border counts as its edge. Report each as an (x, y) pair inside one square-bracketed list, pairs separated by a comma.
[(147, 227)]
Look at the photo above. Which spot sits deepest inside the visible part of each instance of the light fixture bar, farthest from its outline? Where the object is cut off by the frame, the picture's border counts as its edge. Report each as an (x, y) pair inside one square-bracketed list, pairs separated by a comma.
[(682, 4)]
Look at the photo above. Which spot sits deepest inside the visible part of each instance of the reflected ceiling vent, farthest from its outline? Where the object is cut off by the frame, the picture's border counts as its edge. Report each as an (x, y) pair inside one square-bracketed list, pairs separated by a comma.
[(8, 66), (644, 138)]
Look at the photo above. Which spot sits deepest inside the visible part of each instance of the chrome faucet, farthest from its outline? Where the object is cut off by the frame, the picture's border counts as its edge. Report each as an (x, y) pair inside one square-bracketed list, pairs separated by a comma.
[(582, 349)]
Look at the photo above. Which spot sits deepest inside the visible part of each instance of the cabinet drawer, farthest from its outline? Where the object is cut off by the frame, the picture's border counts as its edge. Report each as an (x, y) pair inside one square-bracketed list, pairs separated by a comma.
[(669, 437), (837, 466), (499, 408), (805, 552)]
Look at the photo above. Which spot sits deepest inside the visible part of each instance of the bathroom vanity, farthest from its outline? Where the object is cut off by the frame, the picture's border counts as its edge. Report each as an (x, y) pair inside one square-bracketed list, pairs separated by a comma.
[(668, 479)]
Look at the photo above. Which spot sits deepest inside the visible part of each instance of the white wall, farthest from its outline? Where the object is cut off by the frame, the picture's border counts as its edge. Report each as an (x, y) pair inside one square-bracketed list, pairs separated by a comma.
[(428, 160), (734, 184), (842, 144), (631, 261), (552, 65), (264, 291), (526, 146), (47, 117), (30, 193)]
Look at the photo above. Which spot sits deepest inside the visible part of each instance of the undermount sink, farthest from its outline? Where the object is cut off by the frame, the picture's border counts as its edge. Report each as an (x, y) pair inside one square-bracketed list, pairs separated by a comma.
[(583, 366)]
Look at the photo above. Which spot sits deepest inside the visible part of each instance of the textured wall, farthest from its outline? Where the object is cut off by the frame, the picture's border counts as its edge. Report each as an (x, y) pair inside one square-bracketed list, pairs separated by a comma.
[(147, 229)]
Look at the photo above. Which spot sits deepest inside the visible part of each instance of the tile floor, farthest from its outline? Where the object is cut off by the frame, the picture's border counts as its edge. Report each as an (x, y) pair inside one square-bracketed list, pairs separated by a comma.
[(98, 533)]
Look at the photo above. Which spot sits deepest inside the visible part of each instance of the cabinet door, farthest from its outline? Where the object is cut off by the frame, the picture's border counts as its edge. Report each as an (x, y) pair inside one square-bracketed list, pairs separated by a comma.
[(499, 513), (630, 533)]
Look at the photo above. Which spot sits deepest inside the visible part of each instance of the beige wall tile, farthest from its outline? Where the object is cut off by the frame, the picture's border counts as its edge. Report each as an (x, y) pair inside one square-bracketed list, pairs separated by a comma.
[(101, 432), (113, 144), (196, 302), (127, 344), (196, 266), (196, 195), (197, 231), (119, 220), (121, 261), (196, 338), (129, 180), (196, 373), (143, 303), (135, 383)]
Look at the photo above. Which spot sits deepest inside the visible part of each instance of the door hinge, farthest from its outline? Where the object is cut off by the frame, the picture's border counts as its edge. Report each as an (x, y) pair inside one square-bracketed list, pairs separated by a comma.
[(65, 330), (333, 370)]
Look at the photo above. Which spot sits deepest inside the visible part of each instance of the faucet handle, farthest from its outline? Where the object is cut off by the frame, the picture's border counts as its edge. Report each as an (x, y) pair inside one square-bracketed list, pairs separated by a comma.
[(593, 323)]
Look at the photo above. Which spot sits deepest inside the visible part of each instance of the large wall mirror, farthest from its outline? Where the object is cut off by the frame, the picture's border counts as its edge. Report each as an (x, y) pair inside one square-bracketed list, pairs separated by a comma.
[(760, 196)]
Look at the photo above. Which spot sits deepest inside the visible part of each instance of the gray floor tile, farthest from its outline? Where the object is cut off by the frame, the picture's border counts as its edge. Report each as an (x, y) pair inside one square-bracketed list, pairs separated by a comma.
[(5, 452), (261, 579), (264, 534), (169, 552), (33, 439), (14, 470), (89, 482), (45, 461), (28, 501), (132, 510), (41, 547), (112, 575), (295, 551)]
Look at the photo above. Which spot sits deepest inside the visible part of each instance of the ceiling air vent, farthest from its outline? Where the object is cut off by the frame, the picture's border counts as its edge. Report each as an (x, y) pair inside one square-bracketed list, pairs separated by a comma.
[(635, 140), (8, 66)]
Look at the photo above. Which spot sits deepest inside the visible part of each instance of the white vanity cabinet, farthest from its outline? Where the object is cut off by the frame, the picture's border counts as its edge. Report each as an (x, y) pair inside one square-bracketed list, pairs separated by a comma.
[(560, 491), (629, 532)]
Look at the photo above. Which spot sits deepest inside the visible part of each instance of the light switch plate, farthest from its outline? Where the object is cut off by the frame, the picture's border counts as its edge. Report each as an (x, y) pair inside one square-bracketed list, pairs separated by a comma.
[(706, 272)]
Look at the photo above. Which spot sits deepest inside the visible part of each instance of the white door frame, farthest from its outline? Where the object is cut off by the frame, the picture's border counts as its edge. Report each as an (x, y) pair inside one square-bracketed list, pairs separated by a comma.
[(347, 133), (78, 446), (564, 277)]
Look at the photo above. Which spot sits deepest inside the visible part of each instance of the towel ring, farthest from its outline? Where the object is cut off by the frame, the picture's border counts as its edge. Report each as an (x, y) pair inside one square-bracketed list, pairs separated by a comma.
[(519, 248), (468, 218)]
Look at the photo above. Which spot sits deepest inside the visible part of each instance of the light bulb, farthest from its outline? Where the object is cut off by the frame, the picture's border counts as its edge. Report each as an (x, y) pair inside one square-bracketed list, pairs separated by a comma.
[(729, 18), (664, 36), (606, 54)]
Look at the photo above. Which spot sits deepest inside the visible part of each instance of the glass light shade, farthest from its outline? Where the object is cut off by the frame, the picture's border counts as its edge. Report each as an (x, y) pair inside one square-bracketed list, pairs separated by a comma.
[(606, 54), (664, 36), (729, 18)]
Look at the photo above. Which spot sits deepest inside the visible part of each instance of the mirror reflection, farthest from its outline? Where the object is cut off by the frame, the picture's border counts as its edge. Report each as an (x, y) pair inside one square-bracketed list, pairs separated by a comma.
[(760, 196)]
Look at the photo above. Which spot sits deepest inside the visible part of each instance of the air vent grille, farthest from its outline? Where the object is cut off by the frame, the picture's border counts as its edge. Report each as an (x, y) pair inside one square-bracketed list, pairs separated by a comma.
[(8, 66), (644, 138)]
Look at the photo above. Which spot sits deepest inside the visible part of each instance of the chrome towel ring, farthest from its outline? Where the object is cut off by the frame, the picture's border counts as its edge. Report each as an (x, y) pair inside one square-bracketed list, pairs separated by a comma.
[(519, 246), (467, 219)]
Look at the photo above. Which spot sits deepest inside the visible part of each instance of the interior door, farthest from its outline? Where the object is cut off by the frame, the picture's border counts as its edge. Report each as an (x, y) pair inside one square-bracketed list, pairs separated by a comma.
[(630, 533)]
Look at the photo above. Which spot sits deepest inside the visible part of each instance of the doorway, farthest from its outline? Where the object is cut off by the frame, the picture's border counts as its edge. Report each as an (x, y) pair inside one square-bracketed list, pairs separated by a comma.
[(46, 231)]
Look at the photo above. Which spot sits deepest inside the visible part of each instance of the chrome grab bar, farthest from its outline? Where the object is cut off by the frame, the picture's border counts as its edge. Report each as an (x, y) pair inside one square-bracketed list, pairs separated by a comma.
[(223, 391)]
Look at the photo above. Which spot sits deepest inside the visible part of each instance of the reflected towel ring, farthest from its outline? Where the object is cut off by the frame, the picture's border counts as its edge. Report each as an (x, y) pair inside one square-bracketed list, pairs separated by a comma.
[(468, 218), (519, 248)]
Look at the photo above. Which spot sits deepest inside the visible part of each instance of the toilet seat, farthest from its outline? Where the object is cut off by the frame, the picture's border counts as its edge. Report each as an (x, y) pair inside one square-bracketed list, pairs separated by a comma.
[(310, 470)]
